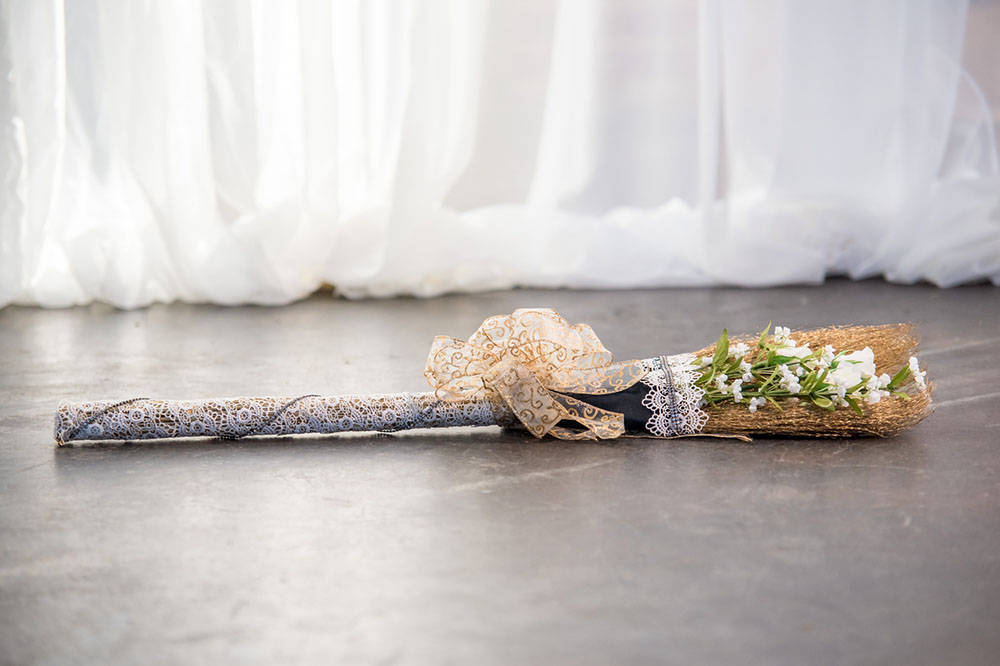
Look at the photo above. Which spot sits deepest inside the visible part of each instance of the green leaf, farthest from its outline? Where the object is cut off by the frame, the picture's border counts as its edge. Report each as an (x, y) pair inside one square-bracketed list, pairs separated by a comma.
[(721, 349), (763, 336), (824, 403), (854, 405), (809, 383), (768, 381), (901, 395), (899, 377)]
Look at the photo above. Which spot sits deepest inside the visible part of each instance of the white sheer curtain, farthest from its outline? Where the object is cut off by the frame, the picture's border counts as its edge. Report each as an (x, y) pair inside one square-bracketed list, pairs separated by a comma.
[(249, 151)]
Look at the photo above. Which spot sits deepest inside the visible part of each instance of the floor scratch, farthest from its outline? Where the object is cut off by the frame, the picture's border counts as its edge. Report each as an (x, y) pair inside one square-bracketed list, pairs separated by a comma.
[(971, 398), (958, 347), (493, 482)]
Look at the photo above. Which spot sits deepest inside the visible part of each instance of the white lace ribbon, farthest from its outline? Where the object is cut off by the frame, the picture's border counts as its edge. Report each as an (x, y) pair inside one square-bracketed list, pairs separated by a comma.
[(674, 399)]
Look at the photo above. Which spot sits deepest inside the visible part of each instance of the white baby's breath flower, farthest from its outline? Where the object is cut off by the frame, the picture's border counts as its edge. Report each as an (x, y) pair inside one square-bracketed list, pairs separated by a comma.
[(720, 383), (873, 397), (781, 334), (827, 356), (873, 388), (706, 360), (919, 376), (739, 350), (755, 403), (788, 381), (737, 390), (823, 362)]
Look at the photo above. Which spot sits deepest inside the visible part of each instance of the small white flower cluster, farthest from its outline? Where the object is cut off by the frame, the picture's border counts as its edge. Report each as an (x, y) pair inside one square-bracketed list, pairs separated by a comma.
[(720, 383), (841, 400), (919, 376), (789, 380), (826, 357), (739, 350), (755, 403), (735, 389), (781, 335), (875, 387)]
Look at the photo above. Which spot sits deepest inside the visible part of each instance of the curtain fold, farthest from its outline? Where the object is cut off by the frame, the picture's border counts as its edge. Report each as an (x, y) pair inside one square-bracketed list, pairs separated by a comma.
[(233, 152)]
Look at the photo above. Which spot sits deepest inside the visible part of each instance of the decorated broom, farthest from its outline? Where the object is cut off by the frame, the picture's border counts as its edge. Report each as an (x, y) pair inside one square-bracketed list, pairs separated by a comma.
[(533, 370)]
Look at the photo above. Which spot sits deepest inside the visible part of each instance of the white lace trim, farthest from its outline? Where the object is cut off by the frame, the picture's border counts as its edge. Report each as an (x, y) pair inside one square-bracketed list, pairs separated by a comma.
[(674, 399), (243, 417)]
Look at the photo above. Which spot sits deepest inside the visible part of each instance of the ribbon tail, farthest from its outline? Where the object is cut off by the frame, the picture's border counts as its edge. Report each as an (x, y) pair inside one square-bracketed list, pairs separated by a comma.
[(598, 423), (541, 410)]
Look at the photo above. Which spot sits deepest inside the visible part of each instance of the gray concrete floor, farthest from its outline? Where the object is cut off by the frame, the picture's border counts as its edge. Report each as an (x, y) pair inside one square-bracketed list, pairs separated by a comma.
[(476, 546)]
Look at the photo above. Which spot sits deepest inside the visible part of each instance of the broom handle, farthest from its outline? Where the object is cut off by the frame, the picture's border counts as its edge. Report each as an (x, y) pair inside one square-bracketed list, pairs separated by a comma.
[(234, 418)]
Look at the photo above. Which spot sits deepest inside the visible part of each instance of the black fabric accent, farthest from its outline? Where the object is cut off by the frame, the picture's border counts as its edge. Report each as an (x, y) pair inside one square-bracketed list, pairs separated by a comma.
[(627, 402)]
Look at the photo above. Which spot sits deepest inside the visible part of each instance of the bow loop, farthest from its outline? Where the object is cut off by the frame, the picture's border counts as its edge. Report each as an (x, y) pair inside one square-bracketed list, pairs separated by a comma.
[(528, 359)]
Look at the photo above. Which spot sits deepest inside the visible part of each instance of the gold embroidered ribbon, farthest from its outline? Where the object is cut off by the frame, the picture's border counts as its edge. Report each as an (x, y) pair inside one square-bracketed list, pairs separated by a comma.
[(528, 360)]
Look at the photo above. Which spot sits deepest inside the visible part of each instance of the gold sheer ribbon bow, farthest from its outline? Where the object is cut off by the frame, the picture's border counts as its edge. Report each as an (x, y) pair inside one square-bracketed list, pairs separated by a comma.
[(528, 360)]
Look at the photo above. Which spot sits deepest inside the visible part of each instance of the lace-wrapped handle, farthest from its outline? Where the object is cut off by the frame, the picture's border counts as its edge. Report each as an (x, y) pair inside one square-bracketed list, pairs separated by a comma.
[(233, 418)]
